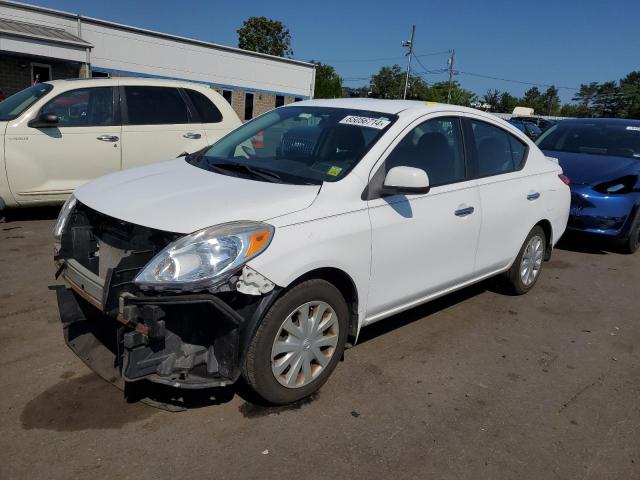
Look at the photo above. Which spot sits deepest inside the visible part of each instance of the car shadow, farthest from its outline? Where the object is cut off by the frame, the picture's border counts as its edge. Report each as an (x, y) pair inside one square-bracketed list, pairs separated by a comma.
[(29, 214), (585, 244)]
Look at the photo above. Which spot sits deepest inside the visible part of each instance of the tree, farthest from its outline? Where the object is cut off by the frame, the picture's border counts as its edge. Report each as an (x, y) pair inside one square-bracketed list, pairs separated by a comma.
[(585, 98), (533, 99), (630, 95), (263, 35), (492, 98), (607, 101), (389, 83), (507, 103), (571, 110), (459, 96), (550, 102), (328, 82)]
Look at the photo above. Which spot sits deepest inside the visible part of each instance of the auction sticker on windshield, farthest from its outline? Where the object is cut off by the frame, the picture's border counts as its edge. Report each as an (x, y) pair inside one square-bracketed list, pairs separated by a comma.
[(377, 123)]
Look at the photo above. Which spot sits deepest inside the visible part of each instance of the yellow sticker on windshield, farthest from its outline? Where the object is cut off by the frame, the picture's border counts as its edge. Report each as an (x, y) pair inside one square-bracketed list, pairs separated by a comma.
[(334, 171)]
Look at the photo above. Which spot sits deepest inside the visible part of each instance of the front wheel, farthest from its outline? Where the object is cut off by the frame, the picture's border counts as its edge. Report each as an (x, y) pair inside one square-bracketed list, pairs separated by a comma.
[(632, 243), (298, 343), (526, 268)]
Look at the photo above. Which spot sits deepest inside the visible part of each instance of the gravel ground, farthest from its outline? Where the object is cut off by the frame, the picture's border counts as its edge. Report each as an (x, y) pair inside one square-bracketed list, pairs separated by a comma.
[(475, 385)]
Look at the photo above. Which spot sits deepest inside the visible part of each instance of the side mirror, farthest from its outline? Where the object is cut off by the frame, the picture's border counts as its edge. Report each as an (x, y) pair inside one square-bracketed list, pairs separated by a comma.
[(406, 180), (44, 120)]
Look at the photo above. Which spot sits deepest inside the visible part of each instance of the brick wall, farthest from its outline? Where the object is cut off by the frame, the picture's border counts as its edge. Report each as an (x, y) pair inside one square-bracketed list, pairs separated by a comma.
[(14, 77), (237, 102), (263, 102)]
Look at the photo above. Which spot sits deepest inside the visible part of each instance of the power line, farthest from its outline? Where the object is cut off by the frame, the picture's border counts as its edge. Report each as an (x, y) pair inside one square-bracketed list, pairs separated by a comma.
[(514, 81), (381, 59)]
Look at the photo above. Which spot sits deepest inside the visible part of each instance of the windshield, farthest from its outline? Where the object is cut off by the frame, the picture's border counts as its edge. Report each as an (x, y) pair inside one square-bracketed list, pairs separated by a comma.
[(13, 106), (596, 138), (533, 128), (305, 145)]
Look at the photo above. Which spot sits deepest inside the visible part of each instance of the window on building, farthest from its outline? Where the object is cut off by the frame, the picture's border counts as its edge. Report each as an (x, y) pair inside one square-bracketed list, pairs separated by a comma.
[(207, 111), (248, 106), (434, 146), (227, 95), (95, 74), (85, 107), (155, 106), (297, 99), (498, 152), (279, 100)]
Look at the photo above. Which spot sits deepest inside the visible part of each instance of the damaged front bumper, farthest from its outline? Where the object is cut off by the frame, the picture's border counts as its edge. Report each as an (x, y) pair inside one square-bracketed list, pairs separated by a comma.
[(185, 340)]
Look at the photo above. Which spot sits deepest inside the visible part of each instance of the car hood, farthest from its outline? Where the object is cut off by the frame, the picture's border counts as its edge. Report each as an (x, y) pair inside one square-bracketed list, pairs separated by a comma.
[(178, 197), (593, 169)]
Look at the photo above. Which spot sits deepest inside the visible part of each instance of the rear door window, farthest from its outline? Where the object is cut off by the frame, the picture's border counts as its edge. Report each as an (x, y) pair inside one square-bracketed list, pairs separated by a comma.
[(84, 107), (207, 111), (155, 106), (497, 151)]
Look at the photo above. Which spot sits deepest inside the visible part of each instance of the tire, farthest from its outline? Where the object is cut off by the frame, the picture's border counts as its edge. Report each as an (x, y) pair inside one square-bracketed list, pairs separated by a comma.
[(514, 278), (631, 244), (265, 369)]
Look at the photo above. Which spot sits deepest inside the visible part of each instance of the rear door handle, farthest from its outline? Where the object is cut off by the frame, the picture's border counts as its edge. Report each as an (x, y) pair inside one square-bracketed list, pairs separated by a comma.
[(463, 212), (192, 135), (533, 196), (108, 138)]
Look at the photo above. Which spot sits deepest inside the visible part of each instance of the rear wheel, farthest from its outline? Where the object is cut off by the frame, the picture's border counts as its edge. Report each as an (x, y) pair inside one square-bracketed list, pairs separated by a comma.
[(298, 344), (526, 268)]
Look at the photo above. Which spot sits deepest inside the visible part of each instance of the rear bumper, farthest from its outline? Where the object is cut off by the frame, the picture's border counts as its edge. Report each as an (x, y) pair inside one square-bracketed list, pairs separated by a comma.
[(601, 215), (192, 341)]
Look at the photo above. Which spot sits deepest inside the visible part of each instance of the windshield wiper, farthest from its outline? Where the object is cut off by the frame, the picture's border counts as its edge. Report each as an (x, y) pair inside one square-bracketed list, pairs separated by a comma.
[(258, 172)]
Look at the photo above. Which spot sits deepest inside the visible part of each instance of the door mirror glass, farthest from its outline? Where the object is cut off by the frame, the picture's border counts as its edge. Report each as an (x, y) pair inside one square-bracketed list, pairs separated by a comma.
[(405, 180), (45, 120)]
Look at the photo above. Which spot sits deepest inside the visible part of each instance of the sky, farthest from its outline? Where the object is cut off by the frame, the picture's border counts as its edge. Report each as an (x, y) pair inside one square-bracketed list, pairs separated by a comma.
[(560, 42)]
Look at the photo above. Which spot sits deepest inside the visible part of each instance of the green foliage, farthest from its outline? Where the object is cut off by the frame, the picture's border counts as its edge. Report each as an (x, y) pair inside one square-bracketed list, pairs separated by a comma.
[(492, 98), (328, 82), (507, 103), (263, 35)]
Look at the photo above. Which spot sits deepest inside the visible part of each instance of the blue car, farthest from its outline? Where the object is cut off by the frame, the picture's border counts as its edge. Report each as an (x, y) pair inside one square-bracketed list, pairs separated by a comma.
[(601, 157)]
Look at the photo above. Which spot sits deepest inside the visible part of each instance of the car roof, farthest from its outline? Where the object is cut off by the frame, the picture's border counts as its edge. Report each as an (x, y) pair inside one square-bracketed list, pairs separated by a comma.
[(99, 81), (384, 106)]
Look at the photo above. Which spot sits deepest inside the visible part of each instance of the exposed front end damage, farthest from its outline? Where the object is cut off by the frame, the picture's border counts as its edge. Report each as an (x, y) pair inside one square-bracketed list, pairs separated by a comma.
[(125, 334)]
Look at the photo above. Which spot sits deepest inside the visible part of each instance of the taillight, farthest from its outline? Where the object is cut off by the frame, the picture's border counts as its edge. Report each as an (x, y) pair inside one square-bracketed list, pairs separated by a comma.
[(564, 179)]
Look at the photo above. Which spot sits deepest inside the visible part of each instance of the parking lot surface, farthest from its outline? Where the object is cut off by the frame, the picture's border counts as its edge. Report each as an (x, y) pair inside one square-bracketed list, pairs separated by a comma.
[(475, 385)]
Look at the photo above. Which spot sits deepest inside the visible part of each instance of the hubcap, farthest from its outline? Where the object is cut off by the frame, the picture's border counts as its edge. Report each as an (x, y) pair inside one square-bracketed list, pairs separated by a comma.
[(305, 344), (531, 260)]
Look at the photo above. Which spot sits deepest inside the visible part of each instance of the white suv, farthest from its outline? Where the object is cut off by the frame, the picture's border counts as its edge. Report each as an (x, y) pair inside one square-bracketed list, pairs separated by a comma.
[(57, 135), (263, 259)]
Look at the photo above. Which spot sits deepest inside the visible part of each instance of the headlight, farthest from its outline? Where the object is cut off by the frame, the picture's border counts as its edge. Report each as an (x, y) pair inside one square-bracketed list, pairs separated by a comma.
[(201, 259), (620, 185), (63, 217)]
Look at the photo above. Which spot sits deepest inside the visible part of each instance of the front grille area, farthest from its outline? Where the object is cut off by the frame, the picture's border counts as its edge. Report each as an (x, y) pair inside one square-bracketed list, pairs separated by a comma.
[(113, 249)]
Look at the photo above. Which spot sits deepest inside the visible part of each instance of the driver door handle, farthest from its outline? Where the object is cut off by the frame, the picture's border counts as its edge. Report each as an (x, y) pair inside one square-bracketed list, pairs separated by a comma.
[(108, 138), (192, 135), (533, 196)]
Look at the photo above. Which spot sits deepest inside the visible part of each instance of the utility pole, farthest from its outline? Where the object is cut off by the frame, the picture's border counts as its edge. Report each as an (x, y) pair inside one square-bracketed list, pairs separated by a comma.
[(409, 44), (451, 72)]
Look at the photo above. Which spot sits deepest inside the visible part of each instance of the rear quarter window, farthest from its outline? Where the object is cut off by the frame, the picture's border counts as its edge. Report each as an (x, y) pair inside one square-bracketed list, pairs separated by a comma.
[(205, 108)]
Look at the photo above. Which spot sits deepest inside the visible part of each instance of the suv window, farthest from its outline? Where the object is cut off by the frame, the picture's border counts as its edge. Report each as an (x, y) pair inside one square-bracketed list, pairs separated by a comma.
[(155, 106), (85, 107), (434, 146), (498, 152), (207, 111)]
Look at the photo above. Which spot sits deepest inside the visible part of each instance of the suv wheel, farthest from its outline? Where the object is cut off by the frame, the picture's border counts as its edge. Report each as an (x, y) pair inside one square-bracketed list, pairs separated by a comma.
[(526, 268), (298, 343)]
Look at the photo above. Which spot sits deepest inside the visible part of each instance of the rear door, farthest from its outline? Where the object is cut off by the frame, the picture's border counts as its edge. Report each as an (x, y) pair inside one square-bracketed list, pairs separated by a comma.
[(208, 116), (508, 195), (158, 124), (47, 164)]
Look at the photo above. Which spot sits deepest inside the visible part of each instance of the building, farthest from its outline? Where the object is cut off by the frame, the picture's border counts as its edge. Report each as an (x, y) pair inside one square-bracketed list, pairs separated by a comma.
[(40, 44)]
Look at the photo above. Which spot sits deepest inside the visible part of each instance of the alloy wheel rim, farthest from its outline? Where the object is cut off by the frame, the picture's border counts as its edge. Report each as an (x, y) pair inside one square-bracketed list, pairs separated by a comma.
[(305, 344), (531, 262)]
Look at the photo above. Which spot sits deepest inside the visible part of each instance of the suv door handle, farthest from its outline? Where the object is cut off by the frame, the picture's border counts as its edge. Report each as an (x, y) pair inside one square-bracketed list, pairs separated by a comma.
[(192, 135), (463, 212), (533, 196), (108, 138)]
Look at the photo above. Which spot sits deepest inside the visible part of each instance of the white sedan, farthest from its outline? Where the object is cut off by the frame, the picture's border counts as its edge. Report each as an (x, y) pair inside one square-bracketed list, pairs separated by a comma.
[(263, 255)]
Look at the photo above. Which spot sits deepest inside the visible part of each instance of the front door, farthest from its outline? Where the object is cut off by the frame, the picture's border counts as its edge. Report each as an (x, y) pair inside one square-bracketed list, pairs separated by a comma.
[(47, 164), (424, 244)]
